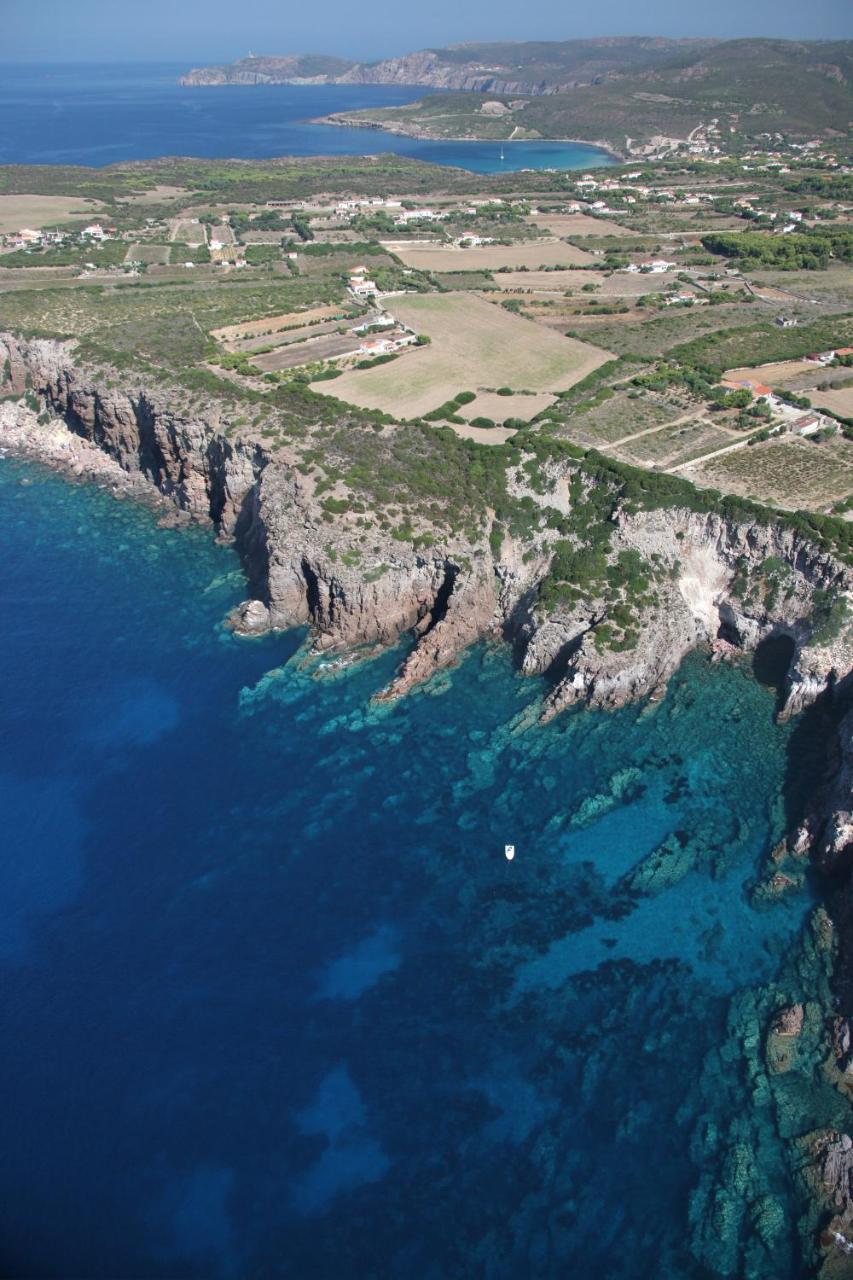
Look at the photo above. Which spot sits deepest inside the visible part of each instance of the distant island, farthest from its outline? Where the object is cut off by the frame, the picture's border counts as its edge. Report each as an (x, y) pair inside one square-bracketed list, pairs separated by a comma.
[(618, 91)]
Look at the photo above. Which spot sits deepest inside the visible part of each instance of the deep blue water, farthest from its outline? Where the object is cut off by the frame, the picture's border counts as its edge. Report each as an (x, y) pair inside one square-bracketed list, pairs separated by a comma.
[(275, 1004), (101, 114)]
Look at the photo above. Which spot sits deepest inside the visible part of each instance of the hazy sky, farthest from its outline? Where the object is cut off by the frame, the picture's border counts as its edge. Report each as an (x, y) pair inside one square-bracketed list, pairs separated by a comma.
[(217, 30)]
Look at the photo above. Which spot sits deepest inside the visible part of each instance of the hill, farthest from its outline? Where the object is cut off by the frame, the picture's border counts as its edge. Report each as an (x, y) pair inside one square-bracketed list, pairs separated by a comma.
[(751, 86), (515, 67), (291, 68)]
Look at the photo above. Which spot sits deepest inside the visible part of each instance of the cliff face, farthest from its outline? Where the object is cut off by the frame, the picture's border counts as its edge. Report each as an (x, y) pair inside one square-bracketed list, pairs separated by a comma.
[(292, 68), (716, 581), (741, 584), (302, 569)]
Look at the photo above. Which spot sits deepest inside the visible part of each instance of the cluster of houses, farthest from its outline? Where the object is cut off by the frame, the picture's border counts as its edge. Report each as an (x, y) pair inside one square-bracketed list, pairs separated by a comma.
[(777, 159), (789, 417), (786, 221), (386, 344), (27, 238), (588, 185), (359, 285), (824, 358), (650, 267)]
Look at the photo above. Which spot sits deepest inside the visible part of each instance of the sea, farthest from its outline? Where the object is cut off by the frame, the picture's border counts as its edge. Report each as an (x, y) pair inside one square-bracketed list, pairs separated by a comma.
[(275, 1002), (100, 114)]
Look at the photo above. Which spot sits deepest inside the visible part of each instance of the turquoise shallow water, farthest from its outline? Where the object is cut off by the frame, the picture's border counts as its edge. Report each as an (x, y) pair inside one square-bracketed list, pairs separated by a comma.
[(275, 1003)]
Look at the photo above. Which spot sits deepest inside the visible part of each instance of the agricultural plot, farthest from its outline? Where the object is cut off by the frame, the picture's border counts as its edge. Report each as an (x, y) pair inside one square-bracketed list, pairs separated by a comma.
[(676, 444), (42, 211), (488, 404), (287, 337), (578, 224), (545, 281), (840, 402), (188, 231), (777, 374), (653, 334), (488, 257), (277, 323), (618, 417), (299, 353), (473, 344), (790, 472), (150, 254)]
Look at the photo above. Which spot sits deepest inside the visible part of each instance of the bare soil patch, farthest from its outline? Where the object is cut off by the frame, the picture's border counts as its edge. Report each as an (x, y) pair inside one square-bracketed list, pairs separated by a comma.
[(487, 257)]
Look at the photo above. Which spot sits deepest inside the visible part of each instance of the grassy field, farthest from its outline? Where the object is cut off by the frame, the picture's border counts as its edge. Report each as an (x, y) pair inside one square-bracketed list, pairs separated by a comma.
[(488, 404), (838, 401), (790, 472), (42, 211), (148, 253), (473, 344), (488, 257), (773, 375), (578, 224), (545, 281)]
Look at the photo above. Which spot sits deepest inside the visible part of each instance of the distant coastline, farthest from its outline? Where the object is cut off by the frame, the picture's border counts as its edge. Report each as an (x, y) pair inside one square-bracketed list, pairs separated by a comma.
[(343, 120)]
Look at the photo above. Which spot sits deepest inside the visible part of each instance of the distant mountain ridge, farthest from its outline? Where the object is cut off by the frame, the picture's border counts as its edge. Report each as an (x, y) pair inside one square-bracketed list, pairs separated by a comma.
[(610, 90), (533, 67)]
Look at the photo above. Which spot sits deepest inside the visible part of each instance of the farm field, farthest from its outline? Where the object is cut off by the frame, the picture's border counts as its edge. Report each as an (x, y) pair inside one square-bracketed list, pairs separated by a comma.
[(545, 281), (42, 211), (286, 337), (619, 417), (655, 334), (790, 472), (579, 224), (488, 404), (838, 401), (187, 231), (488, 257), (676, 444), (277, 323), (832, 287), (773, 375), (473, 344), (299, 353), (148, 253)]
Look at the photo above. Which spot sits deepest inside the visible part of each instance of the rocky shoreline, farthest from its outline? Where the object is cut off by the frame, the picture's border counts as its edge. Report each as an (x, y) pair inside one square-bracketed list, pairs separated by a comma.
[(305, 567), (730, 584)]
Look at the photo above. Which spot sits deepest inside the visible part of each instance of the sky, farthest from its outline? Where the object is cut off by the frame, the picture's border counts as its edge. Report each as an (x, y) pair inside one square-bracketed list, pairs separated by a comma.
[(202, 31)]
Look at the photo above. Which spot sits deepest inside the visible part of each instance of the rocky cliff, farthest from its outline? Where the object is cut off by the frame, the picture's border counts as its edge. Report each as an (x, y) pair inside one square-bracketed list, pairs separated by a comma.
[(707, 580)]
